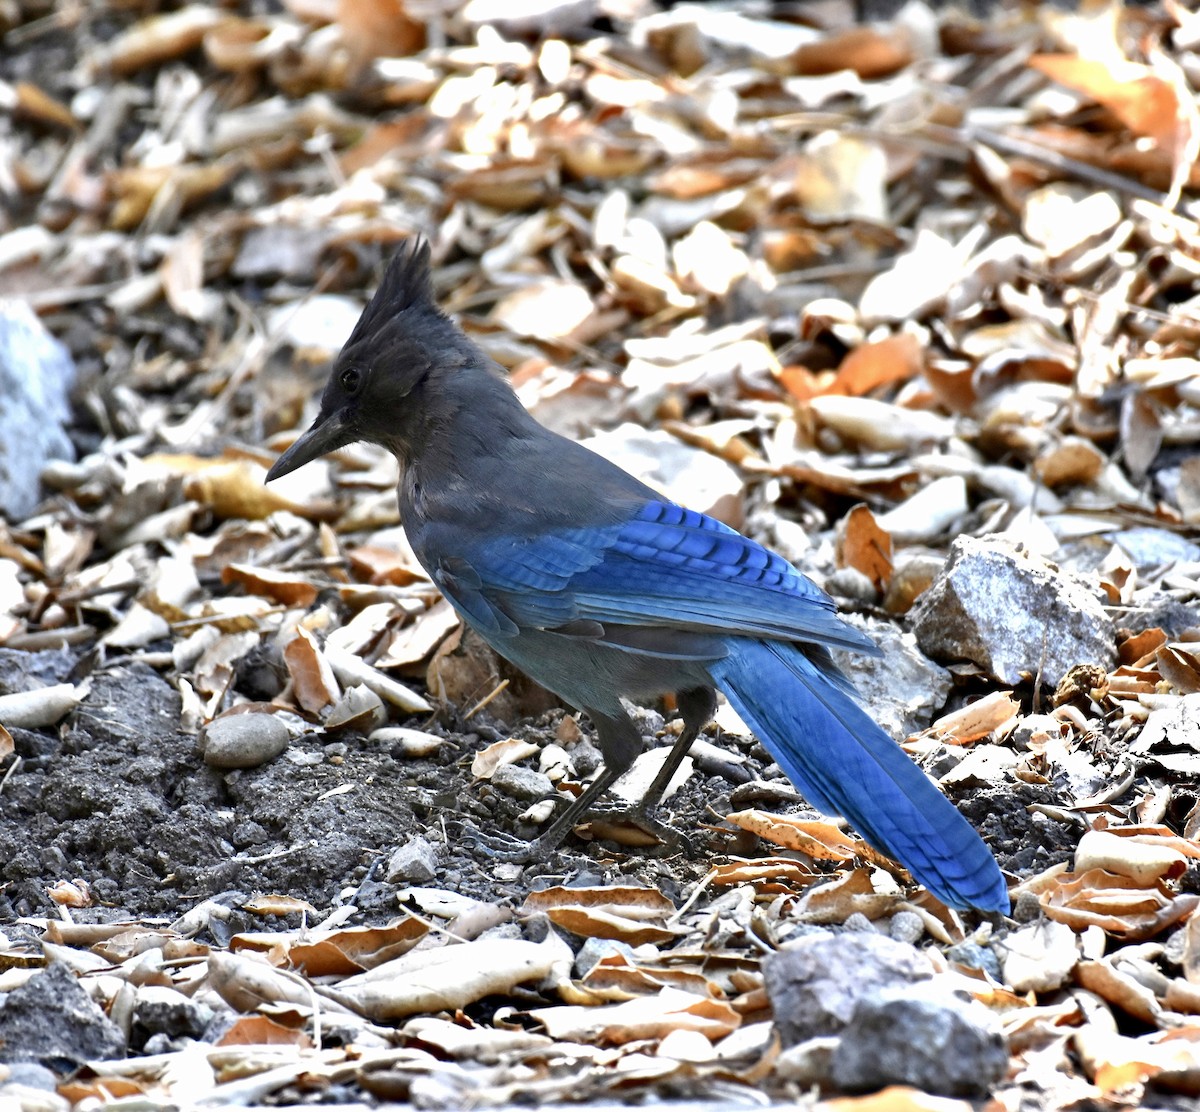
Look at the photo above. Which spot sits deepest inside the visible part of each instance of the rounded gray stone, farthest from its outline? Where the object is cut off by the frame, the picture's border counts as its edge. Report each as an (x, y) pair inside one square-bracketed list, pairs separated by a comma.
[(243, 740)]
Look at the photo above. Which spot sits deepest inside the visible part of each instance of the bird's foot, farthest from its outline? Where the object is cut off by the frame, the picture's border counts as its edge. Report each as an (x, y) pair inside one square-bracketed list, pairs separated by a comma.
[(633, 826), (498, 846)]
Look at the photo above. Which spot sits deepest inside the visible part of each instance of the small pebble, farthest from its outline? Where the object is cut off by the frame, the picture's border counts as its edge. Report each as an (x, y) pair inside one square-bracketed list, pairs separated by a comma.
[(585, 758), (408, 743), (414, 862), (907, 926), (596, 948), (31, 1075), (243, 740), (521, 782)]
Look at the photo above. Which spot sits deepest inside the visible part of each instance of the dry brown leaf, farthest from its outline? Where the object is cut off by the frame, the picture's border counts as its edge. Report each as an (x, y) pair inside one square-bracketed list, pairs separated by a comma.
[(642, 904), (259, 1030), (450, 977), (356, 948), (416, 642), (1115, 904), (1179, 666), (849, 894), (245, 982), (881, 363), (866, 51), (647, 1017), (378, 28), (764, 872), (67, 893), (288, 588), (864, 546), (822, 840), (995, 713), (104, 1089), (1143, 862), (1135, 94), (384, 565), (157, 39), (1139, 650), (590, 922), (617, 977), (499, 753), (312, 677), (278, 905)]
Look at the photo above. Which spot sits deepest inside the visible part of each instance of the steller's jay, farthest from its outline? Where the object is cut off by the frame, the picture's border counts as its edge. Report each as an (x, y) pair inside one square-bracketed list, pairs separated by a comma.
[(599, 588)]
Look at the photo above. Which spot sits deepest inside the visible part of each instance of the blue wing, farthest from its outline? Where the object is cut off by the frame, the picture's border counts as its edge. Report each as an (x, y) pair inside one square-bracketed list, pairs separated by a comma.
[(665, 567)]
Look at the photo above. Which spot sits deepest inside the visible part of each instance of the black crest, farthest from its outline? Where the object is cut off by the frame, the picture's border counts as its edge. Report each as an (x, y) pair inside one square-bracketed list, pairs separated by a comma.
[(407, 284)]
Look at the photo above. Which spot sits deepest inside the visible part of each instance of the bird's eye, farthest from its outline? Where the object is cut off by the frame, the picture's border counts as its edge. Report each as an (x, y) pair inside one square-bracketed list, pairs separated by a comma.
[(351, 380)]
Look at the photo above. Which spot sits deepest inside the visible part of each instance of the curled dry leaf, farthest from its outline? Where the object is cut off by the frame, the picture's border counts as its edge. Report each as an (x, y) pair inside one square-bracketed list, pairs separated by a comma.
[(850, 894), (68, 893), (447, 978), (651, 1017), (259, 1030), (288, 588), (156, 40), (767, 874), (1118, 1062), (355, 949), (44, 706), (312, 677), (1129, 857), (492, 757), (864, 546), (351, 669), (1115, 904), (1140, 98), (994, 714), (822, 840), (244, 982), (881, 425)]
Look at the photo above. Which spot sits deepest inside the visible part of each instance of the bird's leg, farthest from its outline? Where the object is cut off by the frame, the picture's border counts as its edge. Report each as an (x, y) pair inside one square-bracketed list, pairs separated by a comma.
[(696, 708), (620, 743)]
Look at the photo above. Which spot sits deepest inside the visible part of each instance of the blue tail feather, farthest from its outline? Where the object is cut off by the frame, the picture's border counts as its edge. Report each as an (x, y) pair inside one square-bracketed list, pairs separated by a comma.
[(844, 764)]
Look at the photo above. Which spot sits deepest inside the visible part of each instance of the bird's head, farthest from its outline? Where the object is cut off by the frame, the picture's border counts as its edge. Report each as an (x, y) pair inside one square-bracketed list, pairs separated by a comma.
[(374, 392)]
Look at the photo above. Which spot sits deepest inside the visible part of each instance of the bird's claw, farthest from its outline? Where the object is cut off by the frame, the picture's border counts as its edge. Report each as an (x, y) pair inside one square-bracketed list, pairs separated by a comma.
[(498, 846), (637, 818)]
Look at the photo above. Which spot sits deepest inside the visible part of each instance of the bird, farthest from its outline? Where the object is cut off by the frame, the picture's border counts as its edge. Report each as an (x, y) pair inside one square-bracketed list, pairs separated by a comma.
[(603, 590)]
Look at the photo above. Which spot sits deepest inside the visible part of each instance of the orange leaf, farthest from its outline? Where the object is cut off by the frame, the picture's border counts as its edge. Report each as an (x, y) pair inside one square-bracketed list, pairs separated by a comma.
[(862, 544), (1139, 98), (258, 1030), (894, 359)]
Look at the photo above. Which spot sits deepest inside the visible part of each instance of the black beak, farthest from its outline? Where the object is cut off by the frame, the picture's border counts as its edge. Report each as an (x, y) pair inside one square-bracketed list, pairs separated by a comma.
[(326, 434)]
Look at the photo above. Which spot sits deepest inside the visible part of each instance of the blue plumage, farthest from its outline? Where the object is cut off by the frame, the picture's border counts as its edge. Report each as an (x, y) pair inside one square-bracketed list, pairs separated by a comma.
[(602, 590)]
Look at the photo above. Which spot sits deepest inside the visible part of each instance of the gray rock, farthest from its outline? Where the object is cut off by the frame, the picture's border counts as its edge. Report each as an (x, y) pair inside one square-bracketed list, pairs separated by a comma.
[(243, 740), (596, 948), (414, 862), (816, 983), (160, 1010), (903, 689), (808, 1063), (1149, 547), (31, 1076), (521, 782), (1012, 614), (51, 1019), (925, 1037), (973, 956), (907, 926), (36, 374)]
